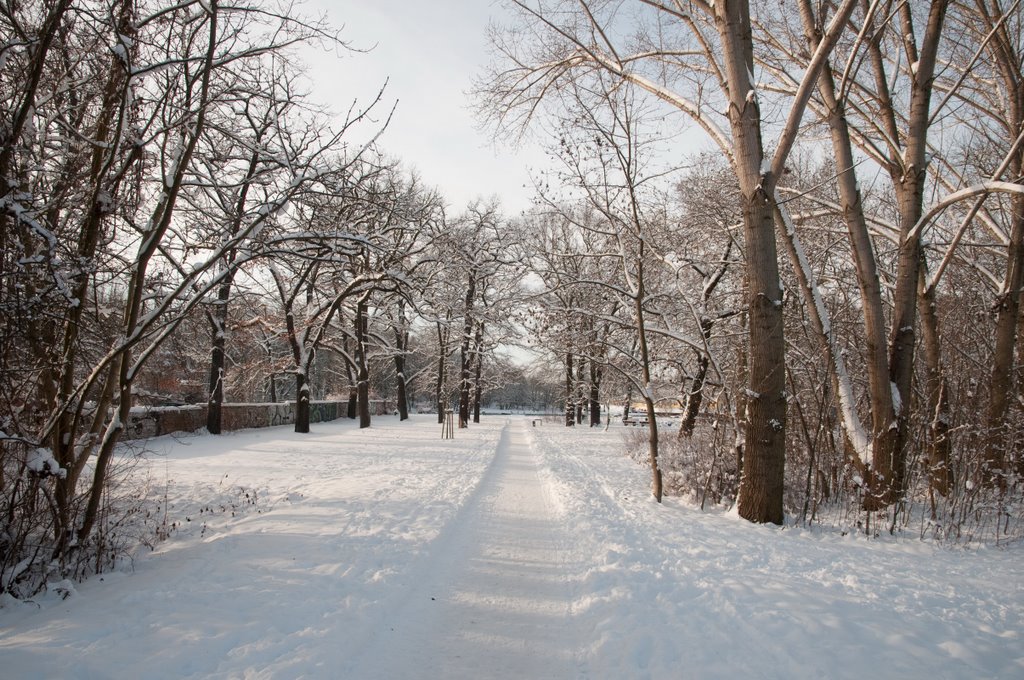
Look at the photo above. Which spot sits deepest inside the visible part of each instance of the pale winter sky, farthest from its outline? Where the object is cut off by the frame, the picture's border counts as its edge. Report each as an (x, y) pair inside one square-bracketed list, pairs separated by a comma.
[(430, 51)]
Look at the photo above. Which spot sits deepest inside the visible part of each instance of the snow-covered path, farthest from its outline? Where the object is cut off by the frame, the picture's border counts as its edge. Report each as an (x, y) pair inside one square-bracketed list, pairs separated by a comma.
[(495, 599), (510, 551)]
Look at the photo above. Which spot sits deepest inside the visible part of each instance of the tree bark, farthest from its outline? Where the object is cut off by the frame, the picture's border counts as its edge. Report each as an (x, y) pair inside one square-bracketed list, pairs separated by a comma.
[(939, 445), (467, 334), (595, 394), (695, 394), (1001, 380), (478, 368), (761, 486), (301, 403), (442, 353), (908, 171), (570, 419), (580, 366), (219, 316), (352, 409), (1005, 53), (218, 341), (363, 370), (159, 223), (864, 258), (401, 391), (401, 347)]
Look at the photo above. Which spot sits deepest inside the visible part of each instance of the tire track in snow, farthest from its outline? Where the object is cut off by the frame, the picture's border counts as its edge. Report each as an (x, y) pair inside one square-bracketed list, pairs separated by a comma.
[(494, 598)]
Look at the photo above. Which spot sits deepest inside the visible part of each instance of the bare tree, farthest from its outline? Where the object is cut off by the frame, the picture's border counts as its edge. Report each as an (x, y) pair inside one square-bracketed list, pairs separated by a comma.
[(711, 38)]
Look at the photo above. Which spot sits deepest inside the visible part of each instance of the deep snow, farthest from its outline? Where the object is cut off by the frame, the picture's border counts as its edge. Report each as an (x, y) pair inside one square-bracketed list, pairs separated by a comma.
[(511, 551)]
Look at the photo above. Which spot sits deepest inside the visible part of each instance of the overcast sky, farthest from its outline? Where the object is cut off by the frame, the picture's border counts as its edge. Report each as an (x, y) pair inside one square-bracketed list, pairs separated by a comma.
[(428, 51)]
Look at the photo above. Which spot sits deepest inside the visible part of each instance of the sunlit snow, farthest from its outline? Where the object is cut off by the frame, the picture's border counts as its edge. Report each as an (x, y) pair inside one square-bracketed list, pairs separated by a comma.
[(513, 551)]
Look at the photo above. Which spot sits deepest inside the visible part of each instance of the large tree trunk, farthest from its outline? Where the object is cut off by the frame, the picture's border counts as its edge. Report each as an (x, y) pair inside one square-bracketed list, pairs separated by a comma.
[(1001, 380), (1005, 51), (761, 487), (862, 249), (908, 171)]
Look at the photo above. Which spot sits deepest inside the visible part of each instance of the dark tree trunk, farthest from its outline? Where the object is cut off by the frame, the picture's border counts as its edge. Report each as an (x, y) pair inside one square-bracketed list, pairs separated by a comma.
[(401, 393), (352, 410), (401, 346), (570, 418), (478, 360), (439, 395), (580, 366), (695, 395), (218, 340), (467, 335), (1005, 379), (595, 395), (301, 403), (1001, 379), (216, 390), (363, 374), (401, 387), (939, 445)]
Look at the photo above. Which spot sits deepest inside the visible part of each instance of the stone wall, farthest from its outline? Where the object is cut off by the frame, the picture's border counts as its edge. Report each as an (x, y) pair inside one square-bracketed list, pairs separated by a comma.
[(153, 421)]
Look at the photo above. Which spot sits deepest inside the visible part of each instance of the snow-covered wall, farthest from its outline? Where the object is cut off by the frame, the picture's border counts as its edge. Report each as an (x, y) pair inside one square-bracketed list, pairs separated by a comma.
[(153, 421)]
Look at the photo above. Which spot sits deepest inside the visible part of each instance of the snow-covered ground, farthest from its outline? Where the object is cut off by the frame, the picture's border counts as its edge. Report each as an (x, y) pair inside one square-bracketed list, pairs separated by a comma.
[(512, 551)]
